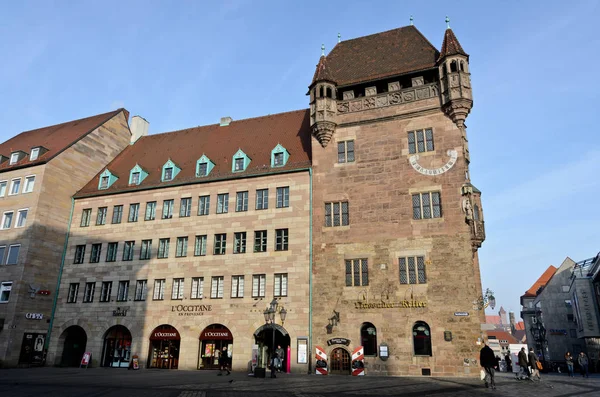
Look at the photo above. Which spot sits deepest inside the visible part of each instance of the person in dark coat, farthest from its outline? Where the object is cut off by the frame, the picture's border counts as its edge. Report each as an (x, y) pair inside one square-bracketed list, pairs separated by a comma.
[(523, 362), (508, 363), (487, 359), (533, 360)]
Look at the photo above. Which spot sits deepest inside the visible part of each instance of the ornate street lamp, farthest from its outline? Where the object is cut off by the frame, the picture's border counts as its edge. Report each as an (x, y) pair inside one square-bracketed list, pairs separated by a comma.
[(486, 300), (269, 314)]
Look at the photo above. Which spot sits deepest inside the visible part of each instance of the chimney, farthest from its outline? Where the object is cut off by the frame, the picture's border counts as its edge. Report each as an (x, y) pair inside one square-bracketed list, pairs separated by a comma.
[(225, 121), (139, 128)]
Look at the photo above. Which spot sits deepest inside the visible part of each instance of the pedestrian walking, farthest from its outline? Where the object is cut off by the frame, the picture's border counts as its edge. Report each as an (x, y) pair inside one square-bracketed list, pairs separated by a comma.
[(280, 357), (223, 361), (582, 360), (535, 364), (273, 364), (488, 362), (523, 363), (508, 363), (569, 360)]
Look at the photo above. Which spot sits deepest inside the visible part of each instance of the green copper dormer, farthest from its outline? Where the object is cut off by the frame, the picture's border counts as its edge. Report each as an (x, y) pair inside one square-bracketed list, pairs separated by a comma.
[(240, 161), (169, 171), (106, 180), (279, 156), (204, 166), (137, 175)]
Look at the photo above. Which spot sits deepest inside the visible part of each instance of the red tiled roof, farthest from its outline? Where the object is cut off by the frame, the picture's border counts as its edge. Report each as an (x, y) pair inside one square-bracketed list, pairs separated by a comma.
[(502, 335), (493, 320), (257, 137), (542, 281), (451, 46), (521, 335), (520, 326), (381, 55), (55, 138), (322, 72)]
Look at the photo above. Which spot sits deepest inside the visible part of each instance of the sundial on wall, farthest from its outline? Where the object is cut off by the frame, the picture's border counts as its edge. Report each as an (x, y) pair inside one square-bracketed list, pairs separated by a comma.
[(414, 162)]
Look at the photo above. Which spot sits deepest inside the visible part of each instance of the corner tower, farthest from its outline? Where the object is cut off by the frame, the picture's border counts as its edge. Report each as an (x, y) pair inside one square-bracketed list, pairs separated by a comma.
[(322, 92)]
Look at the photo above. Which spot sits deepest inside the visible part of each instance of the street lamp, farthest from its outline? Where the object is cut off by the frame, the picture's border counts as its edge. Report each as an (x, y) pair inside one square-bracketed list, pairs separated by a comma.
[(269, 314), (487, 299), (538, 331)]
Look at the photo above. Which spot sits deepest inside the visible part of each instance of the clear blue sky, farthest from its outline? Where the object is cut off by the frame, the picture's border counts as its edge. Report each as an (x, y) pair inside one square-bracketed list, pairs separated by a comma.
[(533, 131)]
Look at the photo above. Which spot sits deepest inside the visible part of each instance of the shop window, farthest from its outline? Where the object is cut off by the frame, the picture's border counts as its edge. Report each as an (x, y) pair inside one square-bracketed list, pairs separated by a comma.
[(368, 338), (421, 339)]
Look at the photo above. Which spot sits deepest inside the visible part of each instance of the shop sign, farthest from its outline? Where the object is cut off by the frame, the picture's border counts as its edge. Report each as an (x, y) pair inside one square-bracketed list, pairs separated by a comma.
[(191, 310), (120, 312), (461, 314), (338, 341), (165, 335), (560, 332), (216, 334), (405, 304), (34, 316)]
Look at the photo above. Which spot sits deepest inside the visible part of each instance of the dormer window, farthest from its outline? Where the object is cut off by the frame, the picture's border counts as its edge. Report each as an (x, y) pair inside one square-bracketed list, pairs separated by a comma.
[(278, 159), (169, 171), (104, 182), (34, 154), (14, 158), (168, 174), (137, 175), (204, 166), (135, 178), (239, 164), (240, 161), (279, 156)]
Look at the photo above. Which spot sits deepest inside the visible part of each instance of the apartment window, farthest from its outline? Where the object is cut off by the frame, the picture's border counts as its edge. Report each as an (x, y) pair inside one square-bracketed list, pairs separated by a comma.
[(280, 288), (168, 209), (168, 174), (262, 199), (2, 188), (135, 178), (420, 141), (260, 241), (111, 252), (565, 288), (223, 203), (237, 286), (202, 168), (2, 252), (34, 154), (101, 217), (14, 158), (15, 186), (412, 270), (95, 256), (13, 254), (123, 291), (283, 197), (200, 247), (21, 218), (239, 164), (73, 291), (163, 247), (346, 152), (570, 318), (105, 291), (5, 288), (337, 214), (239, 244), (281, 239), (203, 205), (177, 291), (181, 249), (134, 210), (185, 208), (86, 215), (79, 254), (29, 182), (278, 159), (146, 249), (128, 250), (150, 211), (117, 214), (197, 288), (7, 219), (241, 202), (104, 182), (140, 290), (216, 287), (220, 244), (159, 290), (427, 205), (88, 293), (258, 285), (357, 272)]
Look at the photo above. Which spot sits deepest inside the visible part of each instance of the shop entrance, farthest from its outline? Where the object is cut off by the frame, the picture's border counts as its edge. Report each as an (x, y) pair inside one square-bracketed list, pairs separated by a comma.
[(339, 362), (32, 349), (164, 347), (213, 339), (263, 337), (116, 352), (75, 340)]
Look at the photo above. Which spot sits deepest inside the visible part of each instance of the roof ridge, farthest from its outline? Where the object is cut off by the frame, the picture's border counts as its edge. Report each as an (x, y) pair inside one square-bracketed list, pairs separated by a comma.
[(113, 112), (374, 34)]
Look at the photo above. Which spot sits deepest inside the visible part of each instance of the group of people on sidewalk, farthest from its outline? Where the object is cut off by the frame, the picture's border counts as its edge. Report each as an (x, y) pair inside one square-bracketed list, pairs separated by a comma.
[(583, 362), (529, 364)]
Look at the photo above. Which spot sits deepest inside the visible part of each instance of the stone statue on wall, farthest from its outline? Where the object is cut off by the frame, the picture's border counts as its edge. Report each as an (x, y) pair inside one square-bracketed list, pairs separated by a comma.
[(467, 208)]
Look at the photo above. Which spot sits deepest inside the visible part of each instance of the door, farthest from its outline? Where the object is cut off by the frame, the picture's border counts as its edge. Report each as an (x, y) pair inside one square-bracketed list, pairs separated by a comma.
[(339, 362)]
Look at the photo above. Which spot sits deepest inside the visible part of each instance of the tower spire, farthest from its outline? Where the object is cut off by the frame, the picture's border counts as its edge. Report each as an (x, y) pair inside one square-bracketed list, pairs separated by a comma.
[(339, 37), (411, 21), (447, 22), (322, 50)]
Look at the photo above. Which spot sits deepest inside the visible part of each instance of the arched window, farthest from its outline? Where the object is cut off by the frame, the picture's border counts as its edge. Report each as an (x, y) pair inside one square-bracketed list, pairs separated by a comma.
[(444, 71), (453, 67), (476, 212), (462, 66), (321, 92), (329, 94), (421, 339), (368, 338)]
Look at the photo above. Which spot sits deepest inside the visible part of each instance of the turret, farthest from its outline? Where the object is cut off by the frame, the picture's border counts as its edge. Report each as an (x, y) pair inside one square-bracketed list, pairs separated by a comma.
[(323, 107)]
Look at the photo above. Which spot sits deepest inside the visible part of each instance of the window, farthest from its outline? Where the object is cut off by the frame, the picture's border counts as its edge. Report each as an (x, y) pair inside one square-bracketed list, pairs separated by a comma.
[(197, 288), (134, 210), (181, 249), (7, 219), (476, 212), (336, 214), (141, 287), (260, 241), (177, 291), (421, 339), (117, 214), (220, 244), (101, 217), (146, 249), (200, 247), (15, 186), (137, 175), (278, 159), (237, 286), (281, 239), (423, 141), (203, 205), (21, 218), (2, 188), (86, 215), (163, 248), (5, 289), (426, 205), (105, 292), (568, 303), (13, 254), (279, 156), (216, 287), (239, 244), (73, 290), (34, 154), (2, 252), (415, 274), (346, 152), (123, 291), (262, 199), (79, 254), (357, 272), (150, 211), (88, 292), (111, 252), (168, 174), (14, 158), (570, 318), (239, 164), (95, 256), (280, 288), (135, 178), (368, 338), (185, 208), (223, 203), (202, 167), (159, 289), (29, 182), (283, 197), (128, 250), (258, 285), (168, 209), (241, 202), (565, 288), (104, 182)]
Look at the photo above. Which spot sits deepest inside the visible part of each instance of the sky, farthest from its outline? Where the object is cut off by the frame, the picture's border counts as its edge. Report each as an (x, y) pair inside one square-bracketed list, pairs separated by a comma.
[(533, 133)]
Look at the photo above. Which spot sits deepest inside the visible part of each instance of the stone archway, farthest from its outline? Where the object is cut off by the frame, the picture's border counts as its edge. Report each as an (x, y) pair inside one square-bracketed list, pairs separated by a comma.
[(340, 362), (269, 337), (74, 341), (116, 349)]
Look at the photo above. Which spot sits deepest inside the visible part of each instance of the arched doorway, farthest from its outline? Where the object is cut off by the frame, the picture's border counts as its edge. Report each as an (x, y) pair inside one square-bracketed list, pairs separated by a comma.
[(75, 341), (164, 347), (339, 362), (268, 338), (116, 351), (213, 339)]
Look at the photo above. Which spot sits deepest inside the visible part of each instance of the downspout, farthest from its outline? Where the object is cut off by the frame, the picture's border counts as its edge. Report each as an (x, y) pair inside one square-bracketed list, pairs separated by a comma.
[(310, 267)]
